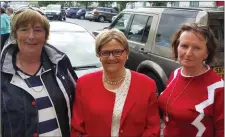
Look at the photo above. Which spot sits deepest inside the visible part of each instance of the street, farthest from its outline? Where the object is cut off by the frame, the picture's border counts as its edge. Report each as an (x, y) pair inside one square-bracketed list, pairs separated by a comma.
[(89, 25)]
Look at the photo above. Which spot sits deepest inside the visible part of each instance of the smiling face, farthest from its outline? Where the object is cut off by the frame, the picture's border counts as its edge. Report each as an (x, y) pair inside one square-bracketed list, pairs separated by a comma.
[(111, 63), (30, 38), (192, 49)]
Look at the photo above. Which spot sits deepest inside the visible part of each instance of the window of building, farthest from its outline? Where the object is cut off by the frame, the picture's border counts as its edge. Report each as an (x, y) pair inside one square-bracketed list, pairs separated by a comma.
[(194, 3)]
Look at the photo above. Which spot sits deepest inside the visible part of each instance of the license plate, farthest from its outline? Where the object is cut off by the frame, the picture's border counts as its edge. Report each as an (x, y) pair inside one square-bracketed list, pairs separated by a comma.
[(219, 70), (50, 15)]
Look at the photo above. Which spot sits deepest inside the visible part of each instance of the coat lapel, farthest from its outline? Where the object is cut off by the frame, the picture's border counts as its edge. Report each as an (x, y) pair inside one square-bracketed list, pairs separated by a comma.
[(129, 102)]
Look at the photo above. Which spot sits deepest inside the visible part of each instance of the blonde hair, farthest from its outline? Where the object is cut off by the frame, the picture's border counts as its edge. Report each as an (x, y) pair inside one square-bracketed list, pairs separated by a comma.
[(107, 35), (26, 17)]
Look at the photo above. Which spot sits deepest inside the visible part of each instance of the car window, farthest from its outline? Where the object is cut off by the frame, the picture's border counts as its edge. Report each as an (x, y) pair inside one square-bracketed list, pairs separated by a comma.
[(121, 21), (137, 28), (170, 21), (78, 46)]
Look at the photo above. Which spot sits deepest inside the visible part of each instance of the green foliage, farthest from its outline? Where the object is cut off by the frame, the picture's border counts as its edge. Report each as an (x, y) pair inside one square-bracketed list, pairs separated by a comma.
[(123, 4), (159, 3), (63, 3), (105, 3), (85, 3)]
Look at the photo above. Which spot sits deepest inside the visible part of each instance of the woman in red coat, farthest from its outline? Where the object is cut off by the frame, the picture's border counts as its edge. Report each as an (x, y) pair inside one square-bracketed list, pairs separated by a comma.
[(115, 101), (193, 101)]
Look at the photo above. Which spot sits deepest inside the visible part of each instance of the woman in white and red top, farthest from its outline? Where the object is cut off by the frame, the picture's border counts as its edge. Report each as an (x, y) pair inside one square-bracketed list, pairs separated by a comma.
[(193, 101)]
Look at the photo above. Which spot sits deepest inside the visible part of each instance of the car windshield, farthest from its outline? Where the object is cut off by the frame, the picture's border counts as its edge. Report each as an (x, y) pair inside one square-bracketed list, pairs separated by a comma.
[(53, 7), (79, 47)]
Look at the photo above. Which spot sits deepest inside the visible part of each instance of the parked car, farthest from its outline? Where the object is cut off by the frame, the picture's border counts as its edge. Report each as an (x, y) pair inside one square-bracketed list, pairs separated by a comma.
[(55, 12), (101, 14), (149, 31), (71, 12), (81, 13), (77, 43)]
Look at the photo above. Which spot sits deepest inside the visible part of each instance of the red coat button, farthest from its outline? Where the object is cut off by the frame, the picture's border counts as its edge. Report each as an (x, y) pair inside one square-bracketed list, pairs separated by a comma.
[(33, 103), (35, 134)]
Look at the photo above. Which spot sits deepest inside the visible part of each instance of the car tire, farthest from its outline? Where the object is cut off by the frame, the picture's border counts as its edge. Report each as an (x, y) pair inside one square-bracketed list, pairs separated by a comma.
[(81, 17), (101, 19), (159, 84)]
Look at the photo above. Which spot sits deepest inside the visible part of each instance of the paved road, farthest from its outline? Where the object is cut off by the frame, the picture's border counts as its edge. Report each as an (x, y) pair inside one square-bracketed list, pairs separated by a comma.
[(89, 25)]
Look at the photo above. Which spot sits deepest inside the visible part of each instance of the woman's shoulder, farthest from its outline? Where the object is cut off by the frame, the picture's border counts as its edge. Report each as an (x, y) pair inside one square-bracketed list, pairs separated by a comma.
[(90, 77)]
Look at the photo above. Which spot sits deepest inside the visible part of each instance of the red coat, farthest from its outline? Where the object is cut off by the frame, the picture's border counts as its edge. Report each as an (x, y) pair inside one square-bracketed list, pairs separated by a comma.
[(93, 108)]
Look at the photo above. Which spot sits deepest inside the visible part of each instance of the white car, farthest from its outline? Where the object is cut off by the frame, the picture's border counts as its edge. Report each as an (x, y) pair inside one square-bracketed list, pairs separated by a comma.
[(77, 43)]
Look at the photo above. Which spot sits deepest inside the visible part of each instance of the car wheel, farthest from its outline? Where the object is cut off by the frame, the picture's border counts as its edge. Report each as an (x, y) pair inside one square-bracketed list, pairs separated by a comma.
[(101, 19), (159, 84), (82, 17)]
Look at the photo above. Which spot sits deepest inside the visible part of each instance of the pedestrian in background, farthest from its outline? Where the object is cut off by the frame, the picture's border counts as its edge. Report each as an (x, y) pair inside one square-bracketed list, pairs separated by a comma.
[(115, 101), (193, 101), (5, 27), (37, 81), (9, 12)]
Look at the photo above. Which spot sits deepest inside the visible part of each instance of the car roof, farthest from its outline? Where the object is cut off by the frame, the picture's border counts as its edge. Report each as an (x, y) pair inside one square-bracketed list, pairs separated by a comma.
[(159, 10), (60, 26)]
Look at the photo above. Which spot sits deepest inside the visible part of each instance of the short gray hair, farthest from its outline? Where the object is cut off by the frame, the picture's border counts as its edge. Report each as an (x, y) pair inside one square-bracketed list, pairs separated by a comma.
[(107, 35)]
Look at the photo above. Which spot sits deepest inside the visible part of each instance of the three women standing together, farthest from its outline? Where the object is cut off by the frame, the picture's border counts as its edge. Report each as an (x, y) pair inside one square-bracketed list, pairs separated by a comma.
[(37, 87)]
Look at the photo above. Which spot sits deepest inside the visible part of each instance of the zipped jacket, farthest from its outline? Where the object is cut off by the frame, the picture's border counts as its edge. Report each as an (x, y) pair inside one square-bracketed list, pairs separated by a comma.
[(19, 116)]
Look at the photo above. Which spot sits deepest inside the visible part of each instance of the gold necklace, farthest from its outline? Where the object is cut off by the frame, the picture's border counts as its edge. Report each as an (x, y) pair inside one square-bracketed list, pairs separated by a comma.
[(114, 82), (167, 102), (26, 81)]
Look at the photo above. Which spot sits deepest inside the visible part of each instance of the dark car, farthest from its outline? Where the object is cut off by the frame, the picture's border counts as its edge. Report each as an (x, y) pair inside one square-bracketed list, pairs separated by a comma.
[(55, 12), (81, 13), (101, 14), (149, 31), (77, 43), (71, 12)]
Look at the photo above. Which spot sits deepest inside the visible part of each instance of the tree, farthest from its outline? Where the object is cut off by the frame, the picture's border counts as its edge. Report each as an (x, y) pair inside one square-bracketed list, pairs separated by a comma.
[(46, 3), (105, 3), (85, 3), (122, 4), (159, 3)]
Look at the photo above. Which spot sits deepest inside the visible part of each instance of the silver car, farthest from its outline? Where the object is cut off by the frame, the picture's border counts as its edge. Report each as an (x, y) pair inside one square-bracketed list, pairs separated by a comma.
[(77, 43)]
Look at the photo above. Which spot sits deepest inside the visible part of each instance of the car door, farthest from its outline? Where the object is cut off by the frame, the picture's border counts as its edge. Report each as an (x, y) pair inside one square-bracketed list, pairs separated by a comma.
[(140, 34), (170, 21)]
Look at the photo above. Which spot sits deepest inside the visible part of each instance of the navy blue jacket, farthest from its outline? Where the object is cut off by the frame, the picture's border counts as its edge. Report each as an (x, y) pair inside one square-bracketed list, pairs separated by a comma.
[(19, 116)]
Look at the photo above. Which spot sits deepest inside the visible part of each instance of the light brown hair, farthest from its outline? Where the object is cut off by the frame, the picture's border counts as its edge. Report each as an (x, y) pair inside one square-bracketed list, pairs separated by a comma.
[(211, 41), (107, 35), (27, 17)]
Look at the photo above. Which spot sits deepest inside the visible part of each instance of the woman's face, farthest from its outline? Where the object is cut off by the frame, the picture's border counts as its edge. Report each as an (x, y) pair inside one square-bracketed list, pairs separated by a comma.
[(192, 49), (113, 63), (30, 39)]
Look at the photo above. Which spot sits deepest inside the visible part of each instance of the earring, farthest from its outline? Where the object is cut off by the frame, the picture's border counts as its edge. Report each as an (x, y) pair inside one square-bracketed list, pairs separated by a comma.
[(127, 57)]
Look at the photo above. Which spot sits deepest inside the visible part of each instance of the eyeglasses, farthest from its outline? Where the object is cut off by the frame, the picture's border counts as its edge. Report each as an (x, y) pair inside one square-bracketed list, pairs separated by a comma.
[(115, 53), (21, 9)]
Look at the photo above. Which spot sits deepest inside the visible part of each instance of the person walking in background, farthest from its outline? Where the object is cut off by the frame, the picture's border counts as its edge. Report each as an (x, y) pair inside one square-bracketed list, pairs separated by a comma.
[(5, 27), (37, 81), (9, 12), (115, 101), (193, 101)]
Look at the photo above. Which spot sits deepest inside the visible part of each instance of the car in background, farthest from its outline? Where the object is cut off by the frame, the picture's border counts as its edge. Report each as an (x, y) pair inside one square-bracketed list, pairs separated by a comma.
[(149, 31), (77, 43), (71, 12), (81, 13), (55, 12), (43, 8), (101, 14)]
